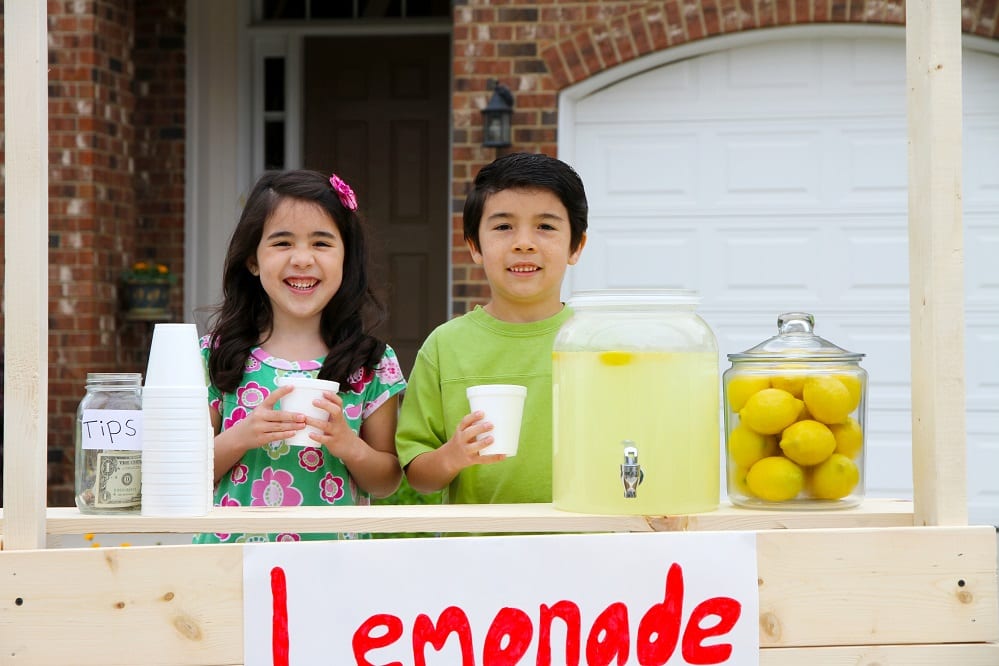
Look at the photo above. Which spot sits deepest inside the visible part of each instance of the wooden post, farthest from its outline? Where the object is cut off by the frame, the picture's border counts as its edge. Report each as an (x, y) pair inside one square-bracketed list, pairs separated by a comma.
[(26, 282), (936, 261)]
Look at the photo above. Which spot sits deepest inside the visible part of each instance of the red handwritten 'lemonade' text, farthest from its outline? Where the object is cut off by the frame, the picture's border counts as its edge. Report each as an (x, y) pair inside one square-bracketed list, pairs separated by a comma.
[(608, 641)]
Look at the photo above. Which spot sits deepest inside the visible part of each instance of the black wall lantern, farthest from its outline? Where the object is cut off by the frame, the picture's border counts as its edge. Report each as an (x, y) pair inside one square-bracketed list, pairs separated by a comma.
[(496, 117)]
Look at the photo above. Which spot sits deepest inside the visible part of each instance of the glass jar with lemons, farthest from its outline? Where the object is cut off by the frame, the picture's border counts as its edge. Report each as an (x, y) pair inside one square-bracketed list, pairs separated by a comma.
[(795, 408)]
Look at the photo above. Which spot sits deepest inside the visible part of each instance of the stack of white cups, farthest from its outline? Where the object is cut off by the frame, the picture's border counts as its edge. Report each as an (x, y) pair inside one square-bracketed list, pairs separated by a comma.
[(177, 436)]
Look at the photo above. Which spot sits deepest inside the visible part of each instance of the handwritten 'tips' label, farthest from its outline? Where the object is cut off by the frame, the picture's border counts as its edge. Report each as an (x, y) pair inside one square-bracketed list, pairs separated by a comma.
[(118, 429)]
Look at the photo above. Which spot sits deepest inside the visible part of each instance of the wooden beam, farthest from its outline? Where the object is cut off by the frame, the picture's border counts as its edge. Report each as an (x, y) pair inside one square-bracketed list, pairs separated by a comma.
[(915, 586), (936, 261), (965, 654), (26, 297)]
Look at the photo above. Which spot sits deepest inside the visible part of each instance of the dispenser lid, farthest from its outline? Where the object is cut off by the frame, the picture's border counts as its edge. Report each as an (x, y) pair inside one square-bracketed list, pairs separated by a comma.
[(628, 298), (795, 340)]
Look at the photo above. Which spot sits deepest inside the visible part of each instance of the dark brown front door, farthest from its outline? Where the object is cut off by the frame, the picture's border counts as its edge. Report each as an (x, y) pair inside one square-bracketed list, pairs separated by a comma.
[(377, 113)]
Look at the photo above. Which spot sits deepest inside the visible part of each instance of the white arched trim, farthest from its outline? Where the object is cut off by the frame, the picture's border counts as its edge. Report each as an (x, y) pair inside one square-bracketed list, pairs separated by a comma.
[(570, 97)]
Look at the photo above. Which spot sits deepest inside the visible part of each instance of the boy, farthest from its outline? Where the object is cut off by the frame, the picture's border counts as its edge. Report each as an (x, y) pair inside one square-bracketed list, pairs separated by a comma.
[(524, 223)]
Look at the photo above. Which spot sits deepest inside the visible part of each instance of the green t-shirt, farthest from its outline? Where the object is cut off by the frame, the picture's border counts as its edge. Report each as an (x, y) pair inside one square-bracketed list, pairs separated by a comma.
[(477, 348)]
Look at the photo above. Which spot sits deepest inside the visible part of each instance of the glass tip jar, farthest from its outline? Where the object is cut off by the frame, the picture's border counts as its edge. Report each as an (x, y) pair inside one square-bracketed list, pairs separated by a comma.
[(795, 411), (109, 444)]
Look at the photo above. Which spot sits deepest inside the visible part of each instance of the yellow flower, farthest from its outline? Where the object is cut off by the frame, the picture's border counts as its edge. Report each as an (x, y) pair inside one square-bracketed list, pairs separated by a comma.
[(148, 271)]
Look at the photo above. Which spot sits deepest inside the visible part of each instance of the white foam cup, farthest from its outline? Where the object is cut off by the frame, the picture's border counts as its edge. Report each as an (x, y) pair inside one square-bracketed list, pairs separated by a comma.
[(175, 484), (173, 491), (189, 479), (175, 357), (173, 460), (503, 405), (164, 444), (188, 506), (170, 408), (186, 446), (173, 398), (300, 400), (172, 431), (183, 474), (181, 426), (174, 392)]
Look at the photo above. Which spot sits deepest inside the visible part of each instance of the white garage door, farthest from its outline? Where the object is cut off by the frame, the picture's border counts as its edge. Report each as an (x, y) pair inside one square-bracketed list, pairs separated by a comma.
[(772, 178)]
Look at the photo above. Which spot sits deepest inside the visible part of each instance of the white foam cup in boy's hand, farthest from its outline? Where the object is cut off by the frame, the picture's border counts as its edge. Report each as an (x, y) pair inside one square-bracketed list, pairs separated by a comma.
[(503, 405), (300, 400)]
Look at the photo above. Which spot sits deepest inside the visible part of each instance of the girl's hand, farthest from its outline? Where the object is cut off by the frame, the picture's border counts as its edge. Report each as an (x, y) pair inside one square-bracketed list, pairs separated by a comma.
[(464, 450), (371, 460), (337, 436), (265, 424)]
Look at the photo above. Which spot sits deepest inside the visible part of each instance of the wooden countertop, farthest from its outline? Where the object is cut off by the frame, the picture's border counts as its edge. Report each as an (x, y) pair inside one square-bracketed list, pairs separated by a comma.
[(472, 518)]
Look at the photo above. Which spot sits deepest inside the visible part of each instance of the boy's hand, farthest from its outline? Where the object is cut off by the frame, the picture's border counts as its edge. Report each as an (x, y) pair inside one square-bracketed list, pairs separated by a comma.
[(265, 424), (464, 450)]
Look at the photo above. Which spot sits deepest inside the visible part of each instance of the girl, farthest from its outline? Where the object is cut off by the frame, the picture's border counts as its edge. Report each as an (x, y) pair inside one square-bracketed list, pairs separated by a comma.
[(296, 301)]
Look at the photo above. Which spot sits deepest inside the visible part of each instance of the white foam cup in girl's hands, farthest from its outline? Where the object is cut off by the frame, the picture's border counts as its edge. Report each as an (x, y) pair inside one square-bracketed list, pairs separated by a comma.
[(300, 400), (503, 405)]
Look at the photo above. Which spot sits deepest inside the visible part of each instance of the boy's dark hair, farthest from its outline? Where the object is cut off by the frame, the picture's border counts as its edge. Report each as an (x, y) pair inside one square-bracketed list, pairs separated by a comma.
[(245, 311), (529, 171)]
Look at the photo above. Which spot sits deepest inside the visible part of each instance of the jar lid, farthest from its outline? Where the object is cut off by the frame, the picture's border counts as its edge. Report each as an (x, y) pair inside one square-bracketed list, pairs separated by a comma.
[(114, 378), (796, 341), (603, 298)]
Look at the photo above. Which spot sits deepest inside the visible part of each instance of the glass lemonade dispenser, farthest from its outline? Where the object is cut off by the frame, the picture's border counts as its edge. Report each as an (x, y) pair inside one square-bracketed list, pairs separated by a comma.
[(636, 405)]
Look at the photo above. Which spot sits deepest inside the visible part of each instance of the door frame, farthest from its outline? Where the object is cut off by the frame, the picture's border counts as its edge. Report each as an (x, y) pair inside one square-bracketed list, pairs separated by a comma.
[(225, 50)]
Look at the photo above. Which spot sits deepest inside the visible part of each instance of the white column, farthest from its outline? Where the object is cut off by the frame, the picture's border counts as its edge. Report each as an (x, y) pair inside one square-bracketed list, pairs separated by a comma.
[(26, 282), (936, 261)]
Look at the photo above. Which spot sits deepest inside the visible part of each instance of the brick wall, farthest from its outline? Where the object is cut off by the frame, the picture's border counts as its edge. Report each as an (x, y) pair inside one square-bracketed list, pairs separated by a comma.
[(160, 91), (91, 202), (538, 48), (115, 190)]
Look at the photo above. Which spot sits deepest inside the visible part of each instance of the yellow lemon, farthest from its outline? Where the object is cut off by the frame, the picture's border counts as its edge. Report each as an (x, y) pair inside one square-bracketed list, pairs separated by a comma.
[(835, 478), (807, 442), (854, 386), (741, 387), (793, 384), (737, 481), (746, 447), (615, 357), (775, 479), (849, 437), (769, 411), (827, 399)]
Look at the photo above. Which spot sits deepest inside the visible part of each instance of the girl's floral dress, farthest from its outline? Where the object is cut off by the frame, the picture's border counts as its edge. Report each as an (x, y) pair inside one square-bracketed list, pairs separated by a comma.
[(281, 475)]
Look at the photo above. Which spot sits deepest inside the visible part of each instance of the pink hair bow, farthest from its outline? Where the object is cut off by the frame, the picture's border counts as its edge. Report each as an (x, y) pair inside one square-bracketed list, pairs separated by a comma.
[(343, 191)]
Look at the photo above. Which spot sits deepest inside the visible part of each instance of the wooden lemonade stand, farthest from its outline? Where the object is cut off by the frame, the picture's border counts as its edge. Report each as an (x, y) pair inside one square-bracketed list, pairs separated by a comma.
[(890, 582)]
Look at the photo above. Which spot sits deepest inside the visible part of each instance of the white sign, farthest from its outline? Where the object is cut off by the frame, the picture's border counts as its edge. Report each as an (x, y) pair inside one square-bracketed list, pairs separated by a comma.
[(111, 429), (664, 599)]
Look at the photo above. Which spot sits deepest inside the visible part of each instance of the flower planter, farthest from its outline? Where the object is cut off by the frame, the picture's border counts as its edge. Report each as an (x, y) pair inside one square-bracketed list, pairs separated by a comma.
[(147, 300)]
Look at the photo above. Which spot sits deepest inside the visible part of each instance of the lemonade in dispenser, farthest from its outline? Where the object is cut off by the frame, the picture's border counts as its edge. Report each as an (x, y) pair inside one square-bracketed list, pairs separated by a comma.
[(795, 409), (635, 381)]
